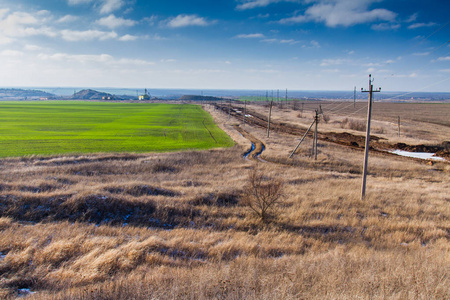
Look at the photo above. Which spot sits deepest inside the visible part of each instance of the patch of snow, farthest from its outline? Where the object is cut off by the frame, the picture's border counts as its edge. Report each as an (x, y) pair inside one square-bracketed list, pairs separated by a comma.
[(421, 155), (248, 116), (24, 292)]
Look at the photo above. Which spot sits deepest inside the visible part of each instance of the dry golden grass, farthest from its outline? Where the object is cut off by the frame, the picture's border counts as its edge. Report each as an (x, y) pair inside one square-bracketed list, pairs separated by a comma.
[(173, 226)]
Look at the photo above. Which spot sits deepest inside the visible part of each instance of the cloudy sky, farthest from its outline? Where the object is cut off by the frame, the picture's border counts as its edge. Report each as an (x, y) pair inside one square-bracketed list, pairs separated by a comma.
[(226, 44)]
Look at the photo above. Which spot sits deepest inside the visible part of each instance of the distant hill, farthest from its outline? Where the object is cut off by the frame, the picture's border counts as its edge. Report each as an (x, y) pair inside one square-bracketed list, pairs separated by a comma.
[(91, 95), (96, 95), (15, 94)]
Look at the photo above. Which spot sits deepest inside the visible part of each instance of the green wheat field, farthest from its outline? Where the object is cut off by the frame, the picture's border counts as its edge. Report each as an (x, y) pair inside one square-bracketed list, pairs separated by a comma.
[(62, 127)]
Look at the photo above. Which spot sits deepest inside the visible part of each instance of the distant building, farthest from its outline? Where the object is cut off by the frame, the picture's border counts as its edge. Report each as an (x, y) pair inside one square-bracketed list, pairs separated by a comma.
[(146, 96), (108, 98)]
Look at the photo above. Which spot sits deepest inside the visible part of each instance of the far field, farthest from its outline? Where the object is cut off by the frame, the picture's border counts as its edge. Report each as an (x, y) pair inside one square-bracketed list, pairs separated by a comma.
[(61, 127)]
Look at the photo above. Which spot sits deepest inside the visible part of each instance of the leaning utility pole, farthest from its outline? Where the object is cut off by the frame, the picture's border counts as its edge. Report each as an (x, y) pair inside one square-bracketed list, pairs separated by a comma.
[(366, 151), (302, 139)]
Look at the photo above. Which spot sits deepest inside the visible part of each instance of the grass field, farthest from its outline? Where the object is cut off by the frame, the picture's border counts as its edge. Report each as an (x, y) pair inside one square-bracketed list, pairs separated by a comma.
[(46, 128), (176, 225)]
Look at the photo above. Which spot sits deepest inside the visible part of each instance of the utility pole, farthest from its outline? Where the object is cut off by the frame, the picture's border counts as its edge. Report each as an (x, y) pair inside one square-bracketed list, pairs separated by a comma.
[(398, 126), (280, 104), (354, 98), (270, 114), (302, 139), (316, 121), (285, 99), (366, 151)]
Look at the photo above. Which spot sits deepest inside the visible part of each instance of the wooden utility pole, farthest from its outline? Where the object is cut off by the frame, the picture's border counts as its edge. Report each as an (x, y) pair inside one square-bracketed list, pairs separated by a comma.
[(280, 105), (316, 121), (285, 98), (354, 98), (270, 114), (366, 151)]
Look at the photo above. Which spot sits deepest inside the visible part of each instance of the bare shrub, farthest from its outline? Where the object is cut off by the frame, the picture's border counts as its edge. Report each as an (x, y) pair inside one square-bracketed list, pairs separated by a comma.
[(326, 118), (262, 194), (353, 124)]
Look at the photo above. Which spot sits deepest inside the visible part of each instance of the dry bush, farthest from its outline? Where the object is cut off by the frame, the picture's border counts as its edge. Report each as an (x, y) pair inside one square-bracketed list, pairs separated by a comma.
[(262, 195), (353, 124)]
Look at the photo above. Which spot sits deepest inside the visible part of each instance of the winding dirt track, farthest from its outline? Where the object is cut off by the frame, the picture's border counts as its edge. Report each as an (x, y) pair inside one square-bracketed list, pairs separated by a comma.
[(254, 152)]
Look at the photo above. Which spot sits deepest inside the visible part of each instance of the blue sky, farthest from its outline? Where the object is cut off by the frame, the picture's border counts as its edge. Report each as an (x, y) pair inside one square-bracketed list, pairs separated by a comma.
[(226, 44)]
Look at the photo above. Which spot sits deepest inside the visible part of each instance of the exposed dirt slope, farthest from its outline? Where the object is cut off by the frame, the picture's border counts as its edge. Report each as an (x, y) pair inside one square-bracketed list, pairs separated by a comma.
[(342, 138)]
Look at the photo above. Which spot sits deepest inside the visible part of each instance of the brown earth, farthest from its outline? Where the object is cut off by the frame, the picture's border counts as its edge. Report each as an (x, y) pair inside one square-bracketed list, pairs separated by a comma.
[(343, 138)]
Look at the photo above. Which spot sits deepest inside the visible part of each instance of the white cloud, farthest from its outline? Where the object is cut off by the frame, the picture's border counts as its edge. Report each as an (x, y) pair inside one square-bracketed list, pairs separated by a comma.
[(106, 6), (444, 58), (332, 62), (109, 6), (250, 4), (76, 2), (445, 70), (112, 22), (270, 40), (80, 58), (331, 70), (67, 19), (315, 44), (169, 60), (150, 20), (419, 25), (385, 26), (3, 12), (412, 18), (342, 13), (128, 38), (32, 48), (88, 35), (13, 53), (92, 58), (250, 36), (22, 24), (186, 20), (289, 41)]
